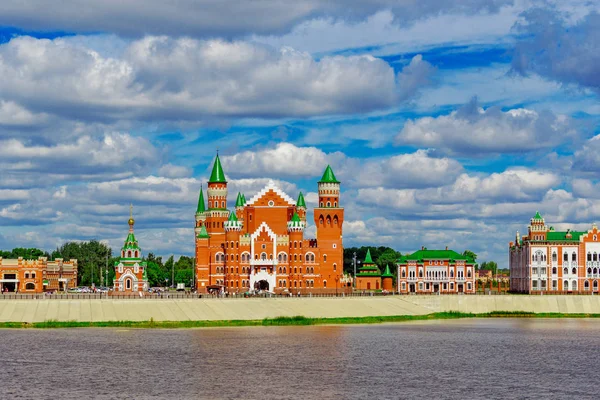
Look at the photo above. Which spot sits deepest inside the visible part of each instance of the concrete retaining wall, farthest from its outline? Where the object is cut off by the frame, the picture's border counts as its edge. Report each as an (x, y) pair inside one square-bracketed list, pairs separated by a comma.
[(259, 308)]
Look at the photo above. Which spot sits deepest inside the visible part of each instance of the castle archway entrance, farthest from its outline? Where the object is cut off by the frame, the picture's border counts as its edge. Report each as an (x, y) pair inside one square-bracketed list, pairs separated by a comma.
[(262, 285)]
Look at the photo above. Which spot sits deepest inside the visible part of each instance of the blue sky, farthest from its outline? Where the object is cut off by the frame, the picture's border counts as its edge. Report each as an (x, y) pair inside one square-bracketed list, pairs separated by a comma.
[(449, 124)]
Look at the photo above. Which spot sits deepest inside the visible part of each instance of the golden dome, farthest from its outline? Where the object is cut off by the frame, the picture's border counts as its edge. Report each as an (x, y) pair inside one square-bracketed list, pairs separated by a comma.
[(131, 221)]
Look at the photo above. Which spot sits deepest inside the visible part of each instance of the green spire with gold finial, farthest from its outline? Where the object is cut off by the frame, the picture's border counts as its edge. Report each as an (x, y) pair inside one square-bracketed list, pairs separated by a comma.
[(232, 217), (217, 175)]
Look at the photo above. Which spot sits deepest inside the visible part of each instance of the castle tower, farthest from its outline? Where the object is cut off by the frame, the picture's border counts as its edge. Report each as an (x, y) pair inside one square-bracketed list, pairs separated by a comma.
[(202, 259), (301, 207), (239, 206), (537, 228), (200, 212), (296, 234), (130, 271), (387, 279), (217, 200), (329, 217)]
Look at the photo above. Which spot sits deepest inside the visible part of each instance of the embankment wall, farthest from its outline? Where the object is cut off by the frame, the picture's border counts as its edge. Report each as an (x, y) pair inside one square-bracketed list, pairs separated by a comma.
[(258, 308)]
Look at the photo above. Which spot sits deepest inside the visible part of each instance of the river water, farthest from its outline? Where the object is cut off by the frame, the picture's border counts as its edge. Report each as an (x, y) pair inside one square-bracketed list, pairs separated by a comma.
[(492, 359)]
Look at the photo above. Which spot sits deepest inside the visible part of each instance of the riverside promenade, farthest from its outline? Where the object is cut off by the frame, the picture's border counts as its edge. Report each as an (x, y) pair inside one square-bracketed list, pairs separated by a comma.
[(99, 310)]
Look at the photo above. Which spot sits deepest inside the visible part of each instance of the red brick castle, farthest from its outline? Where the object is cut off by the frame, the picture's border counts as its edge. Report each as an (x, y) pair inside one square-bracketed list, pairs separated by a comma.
[(261, 244)]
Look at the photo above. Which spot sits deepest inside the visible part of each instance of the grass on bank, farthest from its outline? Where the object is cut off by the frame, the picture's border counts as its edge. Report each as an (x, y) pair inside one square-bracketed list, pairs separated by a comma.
[(288, 321)]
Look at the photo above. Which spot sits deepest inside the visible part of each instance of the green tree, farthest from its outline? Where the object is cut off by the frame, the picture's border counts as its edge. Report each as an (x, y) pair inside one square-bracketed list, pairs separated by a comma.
[(91, 257), (184, 276)]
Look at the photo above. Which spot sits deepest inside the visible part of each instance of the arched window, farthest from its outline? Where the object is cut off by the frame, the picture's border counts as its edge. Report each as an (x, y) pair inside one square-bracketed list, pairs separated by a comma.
[(574, 256), (554, 256), (263, 256), (324, 257), (566, 285), (589, 256), (335, 203), (574, 285), (554, 270), (403, 273), (30, 286), (321, 220), (586, 285), (334, 266), (468, 273), (129, 254), (295, 244), (335, 220), (324, 284), (328, 220), (26, 275), (295, 270), (420, 273), (33, 275), (565, 271), (222, 204), (595, 257), (128, 283), (321, 204), (328, 204), (595, 285), (451, 273), (565, 257), (574, 271), (589, 271), (209, 204)]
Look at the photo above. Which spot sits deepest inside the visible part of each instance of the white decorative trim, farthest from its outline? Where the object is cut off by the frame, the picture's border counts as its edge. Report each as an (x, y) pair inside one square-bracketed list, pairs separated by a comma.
[(270, 186), (257, 232)]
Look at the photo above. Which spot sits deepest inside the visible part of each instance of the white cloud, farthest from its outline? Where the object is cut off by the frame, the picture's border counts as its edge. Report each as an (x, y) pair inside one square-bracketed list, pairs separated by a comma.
[(559, 47), (471, 130), (215, 17), (158, 78), (174, 171), (413, 170), (285, 159), (587, 159), (116, 154)]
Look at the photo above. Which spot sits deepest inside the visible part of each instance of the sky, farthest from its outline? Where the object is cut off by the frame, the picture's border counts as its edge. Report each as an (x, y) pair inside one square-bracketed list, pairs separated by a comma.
[(448, 123)]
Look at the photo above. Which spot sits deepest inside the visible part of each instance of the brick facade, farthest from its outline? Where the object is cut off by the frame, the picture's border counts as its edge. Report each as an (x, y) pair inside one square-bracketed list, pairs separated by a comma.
[(261, 244)]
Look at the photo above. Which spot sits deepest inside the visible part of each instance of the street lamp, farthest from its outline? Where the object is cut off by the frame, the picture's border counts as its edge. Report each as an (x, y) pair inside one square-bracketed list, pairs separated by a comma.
[(354, 262)]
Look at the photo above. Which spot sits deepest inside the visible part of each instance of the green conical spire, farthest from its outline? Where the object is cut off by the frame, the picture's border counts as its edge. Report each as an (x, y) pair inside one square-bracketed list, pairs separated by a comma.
[(387, 273), (537, 215), (239, 202), (301, 202), (328, 176), (243, 198), (217, 175), (201, 204), (232, 217), (368, 259), (203, 233), (296, 218)]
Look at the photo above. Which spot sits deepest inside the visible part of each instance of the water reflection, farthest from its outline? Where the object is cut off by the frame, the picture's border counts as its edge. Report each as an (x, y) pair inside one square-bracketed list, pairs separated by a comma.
[(523, 358)]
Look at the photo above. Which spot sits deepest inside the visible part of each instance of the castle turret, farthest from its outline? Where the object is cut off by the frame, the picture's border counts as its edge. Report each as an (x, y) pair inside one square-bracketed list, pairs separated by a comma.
[(202, 258), (329, 217), (217, 199), (387, 279), (301, 207), (200, 212)]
